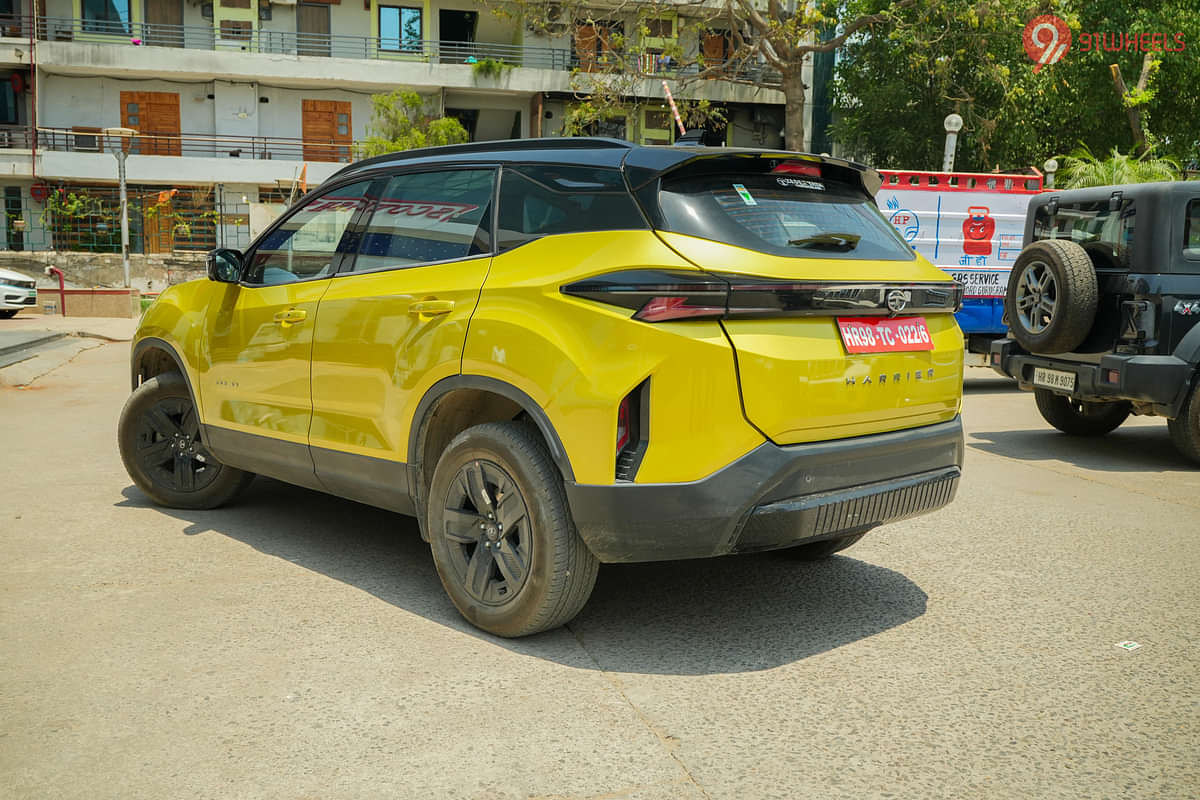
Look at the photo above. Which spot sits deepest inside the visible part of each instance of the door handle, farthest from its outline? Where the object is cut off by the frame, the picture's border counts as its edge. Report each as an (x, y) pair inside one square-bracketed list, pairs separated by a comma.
[(431, 307), (291, 316)]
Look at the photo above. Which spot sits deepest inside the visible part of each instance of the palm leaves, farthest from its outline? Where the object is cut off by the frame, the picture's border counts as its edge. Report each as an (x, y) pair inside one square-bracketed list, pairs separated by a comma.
[(1082, 168)]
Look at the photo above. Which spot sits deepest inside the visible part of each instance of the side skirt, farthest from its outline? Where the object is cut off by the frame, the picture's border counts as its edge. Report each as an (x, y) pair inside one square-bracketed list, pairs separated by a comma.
[(374, 481)]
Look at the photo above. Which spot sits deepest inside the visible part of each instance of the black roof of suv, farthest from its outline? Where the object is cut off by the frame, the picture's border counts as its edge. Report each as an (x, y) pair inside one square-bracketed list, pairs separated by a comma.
[(640, 162)]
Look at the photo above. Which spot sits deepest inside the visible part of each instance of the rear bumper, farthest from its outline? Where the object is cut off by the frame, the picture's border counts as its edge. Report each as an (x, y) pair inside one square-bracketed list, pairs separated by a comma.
[(774, 497), (1162, 381)]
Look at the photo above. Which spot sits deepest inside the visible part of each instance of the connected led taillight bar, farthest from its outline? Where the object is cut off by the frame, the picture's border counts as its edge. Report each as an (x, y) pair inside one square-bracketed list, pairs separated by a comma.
[(665, 295)]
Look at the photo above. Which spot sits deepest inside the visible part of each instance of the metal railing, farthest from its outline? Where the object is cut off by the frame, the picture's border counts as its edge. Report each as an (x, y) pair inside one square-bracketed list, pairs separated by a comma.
[(161, 220), (334, 45), (92, 140), (285, 42)]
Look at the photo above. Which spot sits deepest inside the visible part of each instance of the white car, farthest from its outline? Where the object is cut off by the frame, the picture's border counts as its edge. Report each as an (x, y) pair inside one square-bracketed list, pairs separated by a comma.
[(17, 291)]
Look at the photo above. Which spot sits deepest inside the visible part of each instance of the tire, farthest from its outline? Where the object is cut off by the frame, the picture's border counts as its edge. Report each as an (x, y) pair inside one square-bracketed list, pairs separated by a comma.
[(1052, 297), (823, 549), (1079, 418), (8, 313), (546, 573), (159, 437), (1185, 429)]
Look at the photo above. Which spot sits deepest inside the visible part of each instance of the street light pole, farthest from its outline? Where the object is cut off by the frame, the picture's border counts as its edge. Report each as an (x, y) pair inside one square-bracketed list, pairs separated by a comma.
[(953, 124), (121, 135), (1051, 167), (124, 214)]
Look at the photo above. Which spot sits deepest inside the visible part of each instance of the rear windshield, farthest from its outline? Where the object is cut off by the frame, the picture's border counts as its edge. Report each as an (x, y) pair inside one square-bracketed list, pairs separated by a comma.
[(1106, 233), (782, 214)]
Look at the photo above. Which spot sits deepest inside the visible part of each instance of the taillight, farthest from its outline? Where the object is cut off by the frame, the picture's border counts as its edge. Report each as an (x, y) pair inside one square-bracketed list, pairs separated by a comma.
[(633, 431), (665, 295), (657, 295), (623, 424)]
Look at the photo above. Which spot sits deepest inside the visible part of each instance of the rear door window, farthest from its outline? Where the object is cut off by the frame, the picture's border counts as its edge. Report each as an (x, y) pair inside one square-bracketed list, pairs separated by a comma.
[(1106, 233), (801, 215), (538, 201), (427, 217)]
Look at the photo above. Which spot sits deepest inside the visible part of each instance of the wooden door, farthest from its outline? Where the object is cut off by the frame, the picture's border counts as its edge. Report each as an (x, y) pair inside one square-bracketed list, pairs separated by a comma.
[(154, 115), (312, 29), (164, 23), (325, 126), (716, 48), (585, 47)]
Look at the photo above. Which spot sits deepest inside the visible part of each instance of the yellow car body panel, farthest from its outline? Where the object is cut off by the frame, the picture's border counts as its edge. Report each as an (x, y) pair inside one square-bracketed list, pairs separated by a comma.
[(258, 346), (577, 359), (378, 352)]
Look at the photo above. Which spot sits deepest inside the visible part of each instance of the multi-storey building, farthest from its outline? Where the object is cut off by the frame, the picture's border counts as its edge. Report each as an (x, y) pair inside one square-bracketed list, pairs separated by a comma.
[(237, 102)]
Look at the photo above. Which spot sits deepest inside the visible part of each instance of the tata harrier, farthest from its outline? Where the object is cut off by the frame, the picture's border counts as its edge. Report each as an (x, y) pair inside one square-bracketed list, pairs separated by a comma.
[(561, 352)]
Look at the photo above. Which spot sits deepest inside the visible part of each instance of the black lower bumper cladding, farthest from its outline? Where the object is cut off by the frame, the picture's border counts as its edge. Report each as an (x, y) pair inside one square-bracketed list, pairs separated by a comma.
[(775, 497)]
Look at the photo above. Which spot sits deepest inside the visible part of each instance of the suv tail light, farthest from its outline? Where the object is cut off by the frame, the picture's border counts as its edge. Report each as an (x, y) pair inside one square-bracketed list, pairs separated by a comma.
[(665, 295)]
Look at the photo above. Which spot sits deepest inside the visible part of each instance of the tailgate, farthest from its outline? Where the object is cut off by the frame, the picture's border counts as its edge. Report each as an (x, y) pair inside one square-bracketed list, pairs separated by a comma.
[(800, 385), (799, 381)]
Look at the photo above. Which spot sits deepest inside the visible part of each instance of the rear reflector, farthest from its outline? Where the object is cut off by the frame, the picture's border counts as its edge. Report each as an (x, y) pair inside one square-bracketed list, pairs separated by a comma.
[(665, 295)]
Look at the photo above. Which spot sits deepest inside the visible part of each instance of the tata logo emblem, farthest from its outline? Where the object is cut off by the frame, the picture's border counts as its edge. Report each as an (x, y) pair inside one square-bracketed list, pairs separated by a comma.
[(898, 300)]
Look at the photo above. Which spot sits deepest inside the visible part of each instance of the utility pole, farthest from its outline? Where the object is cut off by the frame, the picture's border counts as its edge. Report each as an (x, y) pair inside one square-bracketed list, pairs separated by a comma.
[(122, 135)]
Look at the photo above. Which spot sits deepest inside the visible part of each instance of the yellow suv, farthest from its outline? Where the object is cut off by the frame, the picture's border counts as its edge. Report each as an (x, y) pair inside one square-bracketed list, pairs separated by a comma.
[(556, 353)]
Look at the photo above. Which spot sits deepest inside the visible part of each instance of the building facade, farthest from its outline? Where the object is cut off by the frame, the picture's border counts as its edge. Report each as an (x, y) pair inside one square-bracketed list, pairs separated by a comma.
[(237, 104)]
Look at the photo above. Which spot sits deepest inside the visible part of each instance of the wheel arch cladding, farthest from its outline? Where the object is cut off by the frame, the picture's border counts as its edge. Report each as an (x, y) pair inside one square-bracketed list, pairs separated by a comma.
[(461, 401), (152, 356), (1188, 348)]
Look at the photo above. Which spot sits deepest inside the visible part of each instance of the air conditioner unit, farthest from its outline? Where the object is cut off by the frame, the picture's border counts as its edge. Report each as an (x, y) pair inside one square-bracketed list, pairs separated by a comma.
[(283, 2)]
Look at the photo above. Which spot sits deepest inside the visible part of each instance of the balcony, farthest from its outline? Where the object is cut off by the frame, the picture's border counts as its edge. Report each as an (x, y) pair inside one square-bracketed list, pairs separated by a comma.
[(84, 154), (132, 49), (282, 42)]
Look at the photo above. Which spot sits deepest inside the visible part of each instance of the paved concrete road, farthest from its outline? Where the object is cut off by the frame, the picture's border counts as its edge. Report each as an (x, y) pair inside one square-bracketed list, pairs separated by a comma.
[(299, 646)]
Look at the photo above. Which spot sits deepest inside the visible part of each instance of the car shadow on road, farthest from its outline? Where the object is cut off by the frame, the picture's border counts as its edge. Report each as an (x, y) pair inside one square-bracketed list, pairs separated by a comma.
[(732, 614), (1136, 448), (990, 385)]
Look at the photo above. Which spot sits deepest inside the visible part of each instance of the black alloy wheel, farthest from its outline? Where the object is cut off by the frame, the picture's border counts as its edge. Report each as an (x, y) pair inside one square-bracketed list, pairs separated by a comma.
[(487, 529), (169, 449), (161, 446)]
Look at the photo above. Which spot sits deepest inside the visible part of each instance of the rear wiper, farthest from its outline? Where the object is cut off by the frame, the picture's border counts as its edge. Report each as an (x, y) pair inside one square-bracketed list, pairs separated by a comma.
[(828, 241)]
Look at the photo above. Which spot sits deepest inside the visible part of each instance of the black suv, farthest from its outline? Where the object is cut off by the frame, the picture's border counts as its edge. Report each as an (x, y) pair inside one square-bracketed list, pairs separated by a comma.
[(1102, 307)]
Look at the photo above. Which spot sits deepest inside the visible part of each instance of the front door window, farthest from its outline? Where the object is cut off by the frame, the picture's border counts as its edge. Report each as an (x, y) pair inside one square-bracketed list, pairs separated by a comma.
[(310, 243)]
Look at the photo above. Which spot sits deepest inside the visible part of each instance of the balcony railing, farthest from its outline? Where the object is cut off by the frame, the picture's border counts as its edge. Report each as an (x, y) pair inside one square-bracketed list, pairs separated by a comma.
[(91, 140), (285, 42)]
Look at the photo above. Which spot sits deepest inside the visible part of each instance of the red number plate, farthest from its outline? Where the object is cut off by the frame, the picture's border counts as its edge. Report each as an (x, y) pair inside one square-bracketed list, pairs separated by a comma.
[(884, 334)]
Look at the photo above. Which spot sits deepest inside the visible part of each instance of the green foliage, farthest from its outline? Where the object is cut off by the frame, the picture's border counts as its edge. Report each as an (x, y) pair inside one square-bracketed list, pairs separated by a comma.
[(1082, 168), (400, 120), (490, 68), (894, 86)]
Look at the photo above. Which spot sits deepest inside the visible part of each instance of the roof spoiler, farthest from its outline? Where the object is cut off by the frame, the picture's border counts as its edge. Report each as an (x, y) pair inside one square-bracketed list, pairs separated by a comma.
[(645, 164)]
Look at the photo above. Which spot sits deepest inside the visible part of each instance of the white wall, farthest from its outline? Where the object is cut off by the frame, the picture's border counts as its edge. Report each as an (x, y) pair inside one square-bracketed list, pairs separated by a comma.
[(68, 101), (236, 108)]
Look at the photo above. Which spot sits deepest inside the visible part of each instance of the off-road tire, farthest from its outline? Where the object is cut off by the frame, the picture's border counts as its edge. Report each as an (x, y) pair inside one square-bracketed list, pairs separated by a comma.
[(1185, 429), (823, 549), (559, 571), (159, 419), (1079, 418), (1073, 292), (8, 313)]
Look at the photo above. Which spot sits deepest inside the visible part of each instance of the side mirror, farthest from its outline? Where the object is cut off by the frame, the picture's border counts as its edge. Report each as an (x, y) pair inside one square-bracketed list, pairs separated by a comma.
[(225, 265)]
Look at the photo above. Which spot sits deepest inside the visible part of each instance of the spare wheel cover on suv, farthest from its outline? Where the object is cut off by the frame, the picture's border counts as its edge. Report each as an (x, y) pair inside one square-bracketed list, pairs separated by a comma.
[(1052, 297)]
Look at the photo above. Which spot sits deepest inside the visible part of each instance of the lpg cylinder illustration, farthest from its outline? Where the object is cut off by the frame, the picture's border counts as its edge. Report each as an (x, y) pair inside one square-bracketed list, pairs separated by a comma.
[(978, 228)]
